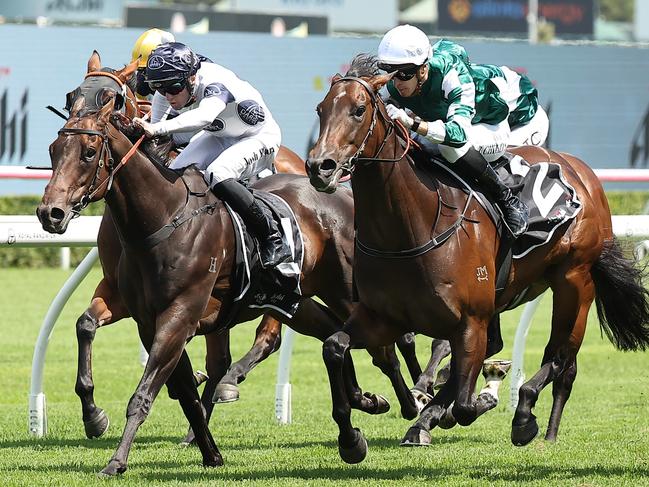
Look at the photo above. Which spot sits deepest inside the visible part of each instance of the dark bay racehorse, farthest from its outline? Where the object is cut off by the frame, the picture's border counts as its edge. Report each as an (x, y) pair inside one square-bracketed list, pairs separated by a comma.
[(410, 279), (107, 306), (167, 286)]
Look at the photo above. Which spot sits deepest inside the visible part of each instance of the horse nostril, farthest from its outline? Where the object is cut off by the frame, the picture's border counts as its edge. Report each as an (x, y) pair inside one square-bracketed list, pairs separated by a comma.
[(57, 214), (328, 165)]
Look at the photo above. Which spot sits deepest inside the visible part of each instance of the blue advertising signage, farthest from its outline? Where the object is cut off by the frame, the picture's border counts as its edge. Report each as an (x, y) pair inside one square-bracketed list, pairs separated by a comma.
[(572, 17)]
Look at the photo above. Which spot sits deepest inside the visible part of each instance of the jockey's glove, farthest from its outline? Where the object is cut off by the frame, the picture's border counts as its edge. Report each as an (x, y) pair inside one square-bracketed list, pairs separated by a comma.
[(399, 114), (150, 129)]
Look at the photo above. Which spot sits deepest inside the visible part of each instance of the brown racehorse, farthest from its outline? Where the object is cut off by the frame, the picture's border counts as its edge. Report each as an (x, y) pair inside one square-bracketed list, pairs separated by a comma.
[(410, 279), (167, 285), (107, 307)]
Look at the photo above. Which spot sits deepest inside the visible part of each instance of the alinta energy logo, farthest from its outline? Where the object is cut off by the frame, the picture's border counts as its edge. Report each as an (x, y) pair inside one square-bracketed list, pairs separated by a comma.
[(13, 127), (459, 10)]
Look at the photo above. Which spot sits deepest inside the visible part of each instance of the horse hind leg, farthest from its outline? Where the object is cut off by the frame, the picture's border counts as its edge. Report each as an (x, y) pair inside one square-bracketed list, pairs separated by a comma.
[(105, 308), (571, 300), (561, 389), (217, 362), (267, 341), (386, 359)]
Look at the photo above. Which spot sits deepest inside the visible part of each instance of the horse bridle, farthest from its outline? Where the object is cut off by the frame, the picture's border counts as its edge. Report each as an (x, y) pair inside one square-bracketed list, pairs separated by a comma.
[(434, 242), (349, 164)]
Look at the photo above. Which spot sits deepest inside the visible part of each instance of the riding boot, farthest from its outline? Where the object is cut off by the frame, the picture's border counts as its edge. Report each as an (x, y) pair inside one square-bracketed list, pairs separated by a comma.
[(272, 247), (515, 211)]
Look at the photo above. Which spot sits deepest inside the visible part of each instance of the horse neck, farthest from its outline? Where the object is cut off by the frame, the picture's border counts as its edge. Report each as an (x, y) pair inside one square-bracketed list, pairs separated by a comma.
[(141, 199), (394, 209)]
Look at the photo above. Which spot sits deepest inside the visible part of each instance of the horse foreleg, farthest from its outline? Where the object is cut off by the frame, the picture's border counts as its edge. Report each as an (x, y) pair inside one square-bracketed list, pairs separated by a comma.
[(165, 349), (406, 345), (419, 433), (468, 348), (105, 308), (352, 445), (425, 385), (267, 340), (386, 359)]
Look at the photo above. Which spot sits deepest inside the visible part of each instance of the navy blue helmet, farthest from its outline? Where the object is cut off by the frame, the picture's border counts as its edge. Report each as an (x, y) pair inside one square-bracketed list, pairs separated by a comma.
[(169, 62)]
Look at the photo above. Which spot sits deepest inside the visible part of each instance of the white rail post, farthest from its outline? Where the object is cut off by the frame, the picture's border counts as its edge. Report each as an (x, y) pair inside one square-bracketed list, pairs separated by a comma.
[(37, 409), (517, 375), (283, 387)]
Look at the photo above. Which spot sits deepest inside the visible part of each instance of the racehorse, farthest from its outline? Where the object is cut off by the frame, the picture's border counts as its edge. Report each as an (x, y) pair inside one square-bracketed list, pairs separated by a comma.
[(167, 283), (420, 240), (107, 306)]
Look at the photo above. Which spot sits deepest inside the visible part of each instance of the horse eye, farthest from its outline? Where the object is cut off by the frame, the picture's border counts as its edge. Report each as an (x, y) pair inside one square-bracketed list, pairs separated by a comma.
[(359, 111), (90, 154)]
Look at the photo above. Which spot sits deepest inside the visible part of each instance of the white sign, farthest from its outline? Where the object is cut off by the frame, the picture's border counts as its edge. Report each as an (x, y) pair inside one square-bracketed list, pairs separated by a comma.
[(344, 15)]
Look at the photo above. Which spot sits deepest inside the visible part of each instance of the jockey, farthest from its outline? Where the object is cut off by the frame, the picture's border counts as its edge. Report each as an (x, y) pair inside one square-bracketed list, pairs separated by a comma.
[(527, 119), (439, 88), (232, 134), (146, 43)]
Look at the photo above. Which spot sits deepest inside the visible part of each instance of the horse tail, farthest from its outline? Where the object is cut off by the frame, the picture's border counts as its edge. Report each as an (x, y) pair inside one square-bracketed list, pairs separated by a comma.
[(621, 298)]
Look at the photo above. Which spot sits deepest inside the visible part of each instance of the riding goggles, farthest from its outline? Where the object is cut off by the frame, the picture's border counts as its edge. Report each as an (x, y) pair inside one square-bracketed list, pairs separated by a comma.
[(402, 73), (164, 87)]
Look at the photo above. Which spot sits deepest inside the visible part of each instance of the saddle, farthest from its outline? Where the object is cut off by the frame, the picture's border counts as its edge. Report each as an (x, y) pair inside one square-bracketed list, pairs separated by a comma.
[(552, 202), (256, 287)]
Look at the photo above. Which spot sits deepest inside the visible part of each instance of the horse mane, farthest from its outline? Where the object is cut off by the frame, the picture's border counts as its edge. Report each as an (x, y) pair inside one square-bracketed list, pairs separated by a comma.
[(363, 64)]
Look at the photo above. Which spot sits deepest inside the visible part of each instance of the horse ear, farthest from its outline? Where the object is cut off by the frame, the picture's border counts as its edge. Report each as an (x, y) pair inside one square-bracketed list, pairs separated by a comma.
[(335, 78), (127, 71), (94, 63), (379, 80)]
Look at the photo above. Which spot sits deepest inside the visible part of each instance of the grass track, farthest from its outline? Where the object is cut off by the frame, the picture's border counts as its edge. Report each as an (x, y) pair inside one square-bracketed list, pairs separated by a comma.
[(603, 439)]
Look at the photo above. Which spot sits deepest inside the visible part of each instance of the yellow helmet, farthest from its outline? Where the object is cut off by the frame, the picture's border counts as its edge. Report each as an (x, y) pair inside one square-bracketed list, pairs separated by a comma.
[(147, 42)]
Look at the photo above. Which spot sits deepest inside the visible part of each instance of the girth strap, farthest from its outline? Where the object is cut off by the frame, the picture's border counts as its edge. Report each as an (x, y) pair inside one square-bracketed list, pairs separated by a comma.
[(165, 232)]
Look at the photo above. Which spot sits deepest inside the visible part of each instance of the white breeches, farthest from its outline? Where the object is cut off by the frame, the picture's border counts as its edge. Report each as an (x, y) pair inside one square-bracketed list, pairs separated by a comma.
[(490, 140), (224, 158), (535, 132)]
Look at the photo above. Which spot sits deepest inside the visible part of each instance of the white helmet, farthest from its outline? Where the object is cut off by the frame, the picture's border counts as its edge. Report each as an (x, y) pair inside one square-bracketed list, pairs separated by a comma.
[(405, 44)]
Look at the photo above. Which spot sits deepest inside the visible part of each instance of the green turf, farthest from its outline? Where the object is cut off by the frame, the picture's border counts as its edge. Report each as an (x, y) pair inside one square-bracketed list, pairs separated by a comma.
[(603, 439)]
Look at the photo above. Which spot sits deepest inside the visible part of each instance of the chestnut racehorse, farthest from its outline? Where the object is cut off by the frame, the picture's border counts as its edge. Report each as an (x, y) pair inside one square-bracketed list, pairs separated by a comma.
[(417, 253), (167, 283)]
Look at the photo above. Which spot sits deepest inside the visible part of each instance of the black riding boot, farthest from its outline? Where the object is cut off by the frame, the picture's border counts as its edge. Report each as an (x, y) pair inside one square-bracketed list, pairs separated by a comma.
[(515, 212), (272, 248)]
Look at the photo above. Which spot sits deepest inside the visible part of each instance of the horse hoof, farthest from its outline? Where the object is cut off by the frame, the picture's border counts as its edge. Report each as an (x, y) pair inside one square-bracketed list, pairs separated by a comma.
[(111, 470), (225, 393), (447, 421), (380, 404), (524, 434), (355, 453), (189, 440), (96, 426), (217, 461), (200, 377), (422, 398), (416, 436), (493, 369)]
